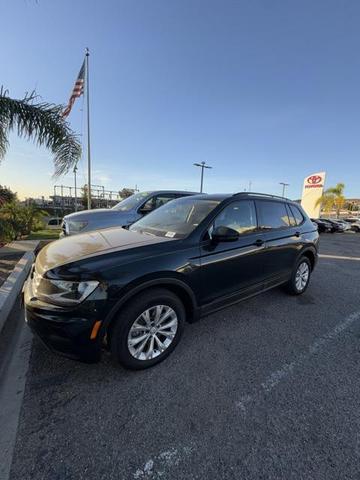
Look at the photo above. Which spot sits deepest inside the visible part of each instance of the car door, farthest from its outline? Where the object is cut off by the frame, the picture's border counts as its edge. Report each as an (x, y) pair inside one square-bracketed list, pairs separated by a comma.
[(282, 238), (232, 268)]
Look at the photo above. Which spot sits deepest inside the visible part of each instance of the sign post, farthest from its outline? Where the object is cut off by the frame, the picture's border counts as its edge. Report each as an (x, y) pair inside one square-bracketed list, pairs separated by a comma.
[(313, 189)]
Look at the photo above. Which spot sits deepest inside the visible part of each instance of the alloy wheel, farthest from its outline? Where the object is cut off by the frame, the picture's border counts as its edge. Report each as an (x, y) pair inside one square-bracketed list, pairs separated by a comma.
[(302, 276), (152, 332)]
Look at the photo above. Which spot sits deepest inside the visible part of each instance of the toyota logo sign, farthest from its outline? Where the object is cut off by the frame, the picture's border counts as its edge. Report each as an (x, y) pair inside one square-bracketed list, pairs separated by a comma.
[(314, 179)]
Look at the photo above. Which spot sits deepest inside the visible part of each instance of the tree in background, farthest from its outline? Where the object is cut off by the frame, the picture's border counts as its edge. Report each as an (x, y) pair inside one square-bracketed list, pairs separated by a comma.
[(126, 192), (333, 197), (41, 122), (6, 195)]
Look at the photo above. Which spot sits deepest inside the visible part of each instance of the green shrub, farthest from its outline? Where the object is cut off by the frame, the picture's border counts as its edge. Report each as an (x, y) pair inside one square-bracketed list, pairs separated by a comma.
[(17, 220)]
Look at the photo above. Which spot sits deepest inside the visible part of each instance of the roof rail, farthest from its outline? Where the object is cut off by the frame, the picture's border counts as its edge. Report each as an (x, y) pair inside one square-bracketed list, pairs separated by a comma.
[(257, 194)]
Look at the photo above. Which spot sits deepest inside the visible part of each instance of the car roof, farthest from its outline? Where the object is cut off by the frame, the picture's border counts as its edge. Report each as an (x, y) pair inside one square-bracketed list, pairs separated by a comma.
[(243, 195), (159, 192)]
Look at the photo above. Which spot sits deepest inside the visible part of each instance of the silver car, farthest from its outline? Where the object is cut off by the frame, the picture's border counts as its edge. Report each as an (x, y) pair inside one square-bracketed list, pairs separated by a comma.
[(122, 214)]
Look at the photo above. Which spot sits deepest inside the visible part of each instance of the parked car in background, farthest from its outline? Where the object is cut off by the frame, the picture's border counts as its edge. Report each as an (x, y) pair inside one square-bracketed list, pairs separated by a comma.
[(355, 223), (322, 225), (122, 214), (54, 223), (335, 225), (346, 225), (134, 289)]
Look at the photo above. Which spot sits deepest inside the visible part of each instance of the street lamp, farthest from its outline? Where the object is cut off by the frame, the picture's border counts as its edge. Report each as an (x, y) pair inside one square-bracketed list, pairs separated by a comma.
[(202, 165), (284, 185)]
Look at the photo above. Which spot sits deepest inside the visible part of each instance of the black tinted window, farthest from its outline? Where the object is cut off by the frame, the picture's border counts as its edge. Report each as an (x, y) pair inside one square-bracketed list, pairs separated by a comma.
[(240, 216), (273, 215), (299, 217), (54, 221)]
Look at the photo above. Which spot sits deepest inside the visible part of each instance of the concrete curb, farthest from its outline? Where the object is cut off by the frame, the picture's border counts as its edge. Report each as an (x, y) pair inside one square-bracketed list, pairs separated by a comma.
[(13, 285)]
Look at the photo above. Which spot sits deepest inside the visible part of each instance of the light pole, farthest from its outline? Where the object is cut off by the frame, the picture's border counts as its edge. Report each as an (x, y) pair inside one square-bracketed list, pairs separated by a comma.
[(284, 185), (202, 165)]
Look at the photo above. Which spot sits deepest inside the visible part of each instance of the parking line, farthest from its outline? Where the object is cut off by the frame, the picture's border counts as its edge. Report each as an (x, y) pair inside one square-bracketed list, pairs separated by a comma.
[(339, 257), (286, 370)]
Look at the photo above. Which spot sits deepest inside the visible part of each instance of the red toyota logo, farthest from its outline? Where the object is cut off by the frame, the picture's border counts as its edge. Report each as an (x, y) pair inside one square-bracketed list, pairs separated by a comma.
[(314, 179)]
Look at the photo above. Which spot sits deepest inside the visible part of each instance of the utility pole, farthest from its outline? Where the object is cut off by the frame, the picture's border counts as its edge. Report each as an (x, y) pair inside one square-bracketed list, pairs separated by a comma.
[(284, 185), (250, 183), (202, 165)]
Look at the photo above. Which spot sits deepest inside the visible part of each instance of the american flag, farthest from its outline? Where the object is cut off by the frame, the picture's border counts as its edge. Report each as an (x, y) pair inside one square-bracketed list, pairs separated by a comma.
[(77, 91)]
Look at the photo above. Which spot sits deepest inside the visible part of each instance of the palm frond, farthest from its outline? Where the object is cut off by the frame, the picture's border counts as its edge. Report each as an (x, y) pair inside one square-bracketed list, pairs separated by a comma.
[(42, 122)]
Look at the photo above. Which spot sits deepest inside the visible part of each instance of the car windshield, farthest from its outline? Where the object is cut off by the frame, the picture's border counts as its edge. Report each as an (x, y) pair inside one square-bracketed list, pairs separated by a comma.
[(177, 219), (131, 202)]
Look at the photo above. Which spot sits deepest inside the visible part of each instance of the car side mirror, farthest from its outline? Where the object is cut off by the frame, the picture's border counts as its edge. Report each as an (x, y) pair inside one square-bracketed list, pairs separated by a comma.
[(224, 234)]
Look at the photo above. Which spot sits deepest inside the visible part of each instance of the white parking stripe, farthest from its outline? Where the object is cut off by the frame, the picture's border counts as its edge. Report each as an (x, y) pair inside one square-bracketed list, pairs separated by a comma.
[(339, 257), (286, 370)]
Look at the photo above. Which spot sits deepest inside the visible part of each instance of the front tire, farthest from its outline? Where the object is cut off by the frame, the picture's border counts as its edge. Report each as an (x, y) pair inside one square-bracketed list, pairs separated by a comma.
[(300, 277), (148, 329)]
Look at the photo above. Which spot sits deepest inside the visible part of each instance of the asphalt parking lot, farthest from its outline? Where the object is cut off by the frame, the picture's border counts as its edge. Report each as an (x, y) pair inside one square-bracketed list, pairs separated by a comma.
[(266, 389)]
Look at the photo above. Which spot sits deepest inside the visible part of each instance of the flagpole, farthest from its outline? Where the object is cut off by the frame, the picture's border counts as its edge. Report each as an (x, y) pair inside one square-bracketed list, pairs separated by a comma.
[(75, 170), (88, 129)]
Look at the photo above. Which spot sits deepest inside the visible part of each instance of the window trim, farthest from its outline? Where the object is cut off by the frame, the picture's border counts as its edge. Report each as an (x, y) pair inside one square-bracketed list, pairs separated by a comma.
[(277, 229)]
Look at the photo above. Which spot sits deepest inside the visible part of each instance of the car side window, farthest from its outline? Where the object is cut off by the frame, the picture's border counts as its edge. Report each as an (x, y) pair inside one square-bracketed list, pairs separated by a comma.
[(157, 201), (54, 221), (240, 216), (272, 215), (299, 217), (160, 200), (291, 216)]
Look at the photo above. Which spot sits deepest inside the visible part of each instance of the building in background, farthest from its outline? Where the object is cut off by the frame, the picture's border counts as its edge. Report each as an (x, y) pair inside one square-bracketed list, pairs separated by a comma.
[(64, 200)]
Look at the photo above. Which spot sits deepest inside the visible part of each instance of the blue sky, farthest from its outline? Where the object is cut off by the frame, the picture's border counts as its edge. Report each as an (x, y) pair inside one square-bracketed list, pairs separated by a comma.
[(262, 90)]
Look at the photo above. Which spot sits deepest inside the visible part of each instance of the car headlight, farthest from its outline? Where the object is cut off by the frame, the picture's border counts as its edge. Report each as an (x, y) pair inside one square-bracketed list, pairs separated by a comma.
[(62, 292), (72, 226)]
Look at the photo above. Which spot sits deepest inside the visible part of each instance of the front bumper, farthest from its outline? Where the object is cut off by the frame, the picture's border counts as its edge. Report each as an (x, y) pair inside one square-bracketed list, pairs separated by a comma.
[(69, 337), (64, 331)]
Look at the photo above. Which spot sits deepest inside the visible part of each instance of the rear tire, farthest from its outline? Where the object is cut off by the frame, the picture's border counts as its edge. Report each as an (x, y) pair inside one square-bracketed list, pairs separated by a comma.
[(300, 277), (148, 329)]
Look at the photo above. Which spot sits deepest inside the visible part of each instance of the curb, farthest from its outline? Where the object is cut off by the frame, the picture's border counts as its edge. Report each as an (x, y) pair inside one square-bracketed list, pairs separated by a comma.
[(12, 286)]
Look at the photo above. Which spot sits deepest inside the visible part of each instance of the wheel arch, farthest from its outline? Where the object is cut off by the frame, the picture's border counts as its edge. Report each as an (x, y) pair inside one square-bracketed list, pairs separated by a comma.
[(176, 286), (310, 254)]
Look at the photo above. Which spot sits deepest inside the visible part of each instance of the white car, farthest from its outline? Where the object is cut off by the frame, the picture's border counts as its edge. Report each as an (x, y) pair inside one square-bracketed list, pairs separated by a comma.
[(344, 223), (354, 224)]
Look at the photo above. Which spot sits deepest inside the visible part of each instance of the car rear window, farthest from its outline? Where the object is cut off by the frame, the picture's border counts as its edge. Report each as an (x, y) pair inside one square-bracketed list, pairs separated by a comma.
[(272, 215)]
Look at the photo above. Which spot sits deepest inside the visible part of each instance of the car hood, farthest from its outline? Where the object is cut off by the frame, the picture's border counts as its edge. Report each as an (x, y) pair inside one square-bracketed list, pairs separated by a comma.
[(84, 245), (92, 214)]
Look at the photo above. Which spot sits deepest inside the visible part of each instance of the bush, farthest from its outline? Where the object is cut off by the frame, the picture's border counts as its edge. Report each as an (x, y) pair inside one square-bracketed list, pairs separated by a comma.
[(17, 220)]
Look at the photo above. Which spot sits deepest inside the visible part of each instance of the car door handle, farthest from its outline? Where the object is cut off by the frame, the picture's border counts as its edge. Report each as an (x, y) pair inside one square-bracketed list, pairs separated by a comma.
[(297, 234), (259, 242)]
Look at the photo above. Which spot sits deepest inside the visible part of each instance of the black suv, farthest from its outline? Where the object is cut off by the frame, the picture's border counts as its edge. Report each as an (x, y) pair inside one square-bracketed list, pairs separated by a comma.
[(132, 290)]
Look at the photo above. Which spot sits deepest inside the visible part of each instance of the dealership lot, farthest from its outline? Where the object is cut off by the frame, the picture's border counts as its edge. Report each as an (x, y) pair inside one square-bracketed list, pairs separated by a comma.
[(265, 389)]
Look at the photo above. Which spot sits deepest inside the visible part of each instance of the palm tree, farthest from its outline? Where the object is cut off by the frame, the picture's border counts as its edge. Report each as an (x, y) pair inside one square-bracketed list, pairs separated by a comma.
[(41, 122), (333, 197)]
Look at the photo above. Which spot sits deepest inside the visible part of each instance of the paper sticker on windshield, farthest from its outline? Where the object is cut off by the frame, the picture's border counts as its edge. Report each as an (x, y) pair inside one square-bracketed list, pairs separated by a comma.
[(170, 234)]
